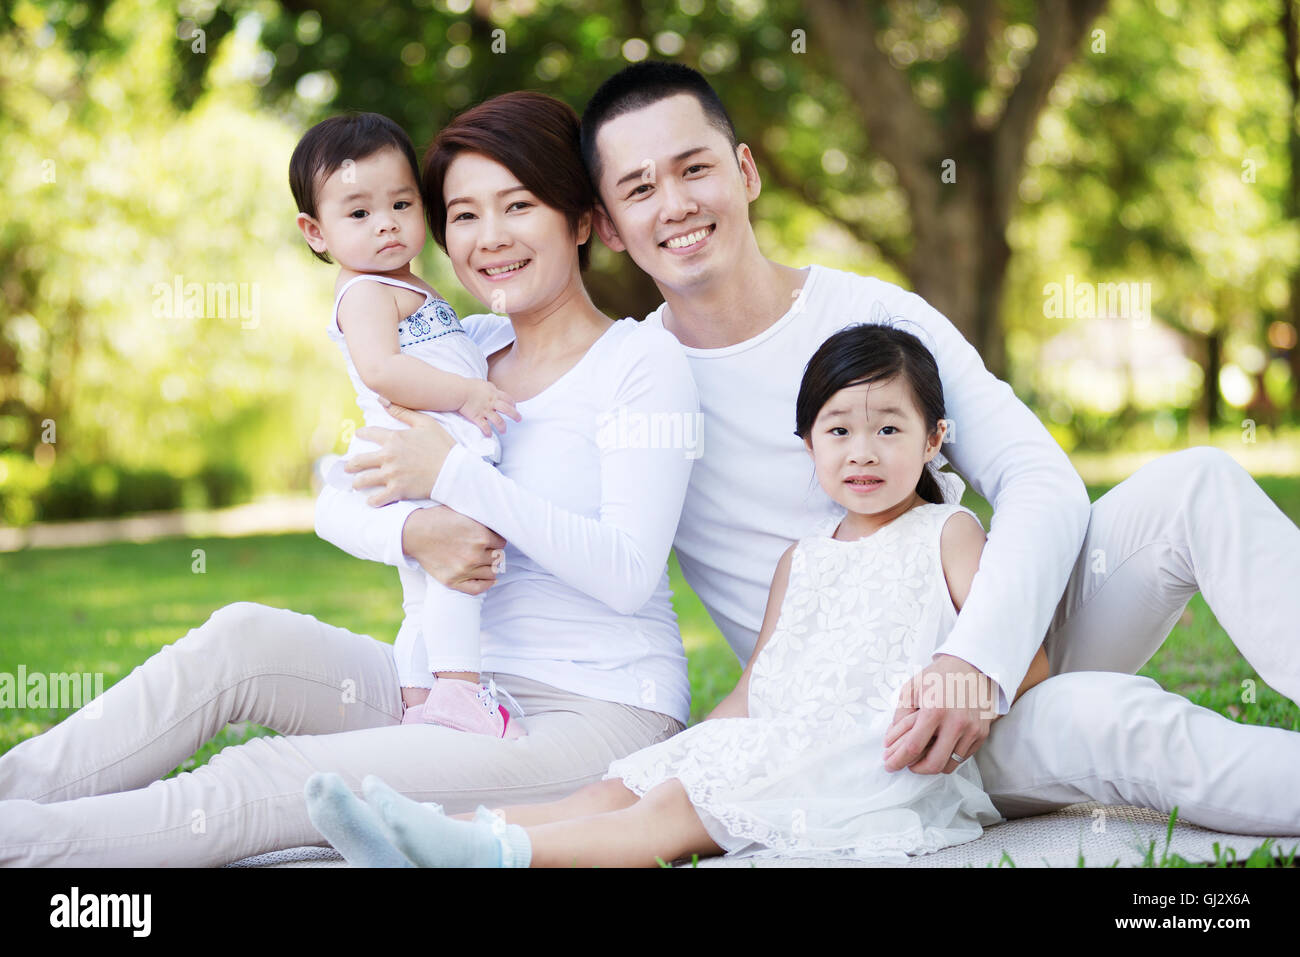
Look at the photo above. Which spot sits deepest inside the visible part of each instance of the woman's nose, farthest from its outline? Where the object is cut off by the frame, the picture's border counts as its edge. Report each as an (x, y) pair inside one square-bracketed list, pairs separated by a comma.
[(492, 233)]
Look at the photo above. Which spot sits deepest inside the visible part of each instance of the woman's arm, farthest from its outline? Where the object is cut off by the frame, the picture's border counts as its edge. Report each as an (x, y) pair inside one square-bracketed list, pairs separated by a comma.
[(619, 556), (736, 703)]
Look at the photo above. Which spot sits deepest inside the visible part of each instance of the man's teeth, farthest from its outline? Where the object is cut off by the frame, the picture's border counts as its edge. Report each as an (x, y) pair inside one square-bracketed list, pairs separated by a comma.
[(498, 270), (687, 240)]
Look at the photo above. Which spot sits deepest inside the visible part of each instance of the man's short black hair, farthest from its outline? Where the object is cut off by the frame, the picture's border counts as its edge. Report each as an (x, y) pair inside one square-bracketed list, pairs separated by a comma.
[(638, 86)]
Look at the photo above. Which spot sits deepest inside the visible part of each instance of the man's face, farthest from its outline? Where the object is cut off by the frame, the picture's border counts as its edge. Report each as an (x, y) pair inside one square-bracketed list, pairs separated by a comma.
[(676, 195)]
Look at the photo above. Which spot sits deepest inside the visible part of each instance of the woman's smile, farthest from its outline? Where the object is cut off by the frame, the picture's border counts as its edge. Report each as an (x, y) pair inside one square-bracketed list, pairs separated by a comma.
[(503, 271)]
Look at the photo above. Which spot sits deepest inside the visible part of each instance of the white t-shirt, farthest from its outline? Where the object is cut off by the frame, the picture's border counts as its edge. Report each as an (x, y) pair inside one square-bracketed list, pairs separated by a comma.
[(753, 491), (588, 495)]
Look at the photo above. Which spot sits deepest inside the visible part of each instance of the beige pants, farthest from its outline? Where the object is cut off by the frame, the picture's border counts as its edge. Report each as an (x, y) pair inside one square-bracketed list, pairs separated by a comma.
[(86, 793)]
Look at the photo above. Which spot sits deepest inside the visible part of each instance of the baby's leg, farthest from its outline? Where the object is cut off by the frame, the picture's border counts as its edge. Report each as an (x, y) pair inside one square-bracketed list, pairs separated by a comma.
[(449, 625)]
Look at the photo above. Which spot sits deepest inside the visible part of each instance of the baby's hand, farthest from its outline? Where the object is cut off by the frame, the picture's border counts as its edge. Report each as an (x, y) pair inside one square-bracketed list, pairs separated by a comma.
[(484, 404)]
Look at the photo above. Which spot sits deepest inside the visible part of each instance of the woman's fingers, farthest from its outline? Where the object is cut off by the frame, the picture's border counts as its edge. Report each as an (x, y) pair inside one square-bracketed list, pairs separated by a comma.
[(499, 422)]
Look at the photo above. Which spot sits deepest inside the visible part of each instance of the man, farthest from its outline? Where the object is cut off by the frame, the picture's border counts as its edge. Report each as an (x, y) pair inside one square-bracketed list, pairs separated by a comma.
[(1104, 583)]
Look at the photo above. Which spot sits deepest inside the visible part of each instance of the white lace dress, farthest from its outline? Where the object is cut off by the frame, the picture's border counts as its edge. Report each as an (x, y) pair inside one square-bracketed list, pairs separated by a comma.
[(804, 774)]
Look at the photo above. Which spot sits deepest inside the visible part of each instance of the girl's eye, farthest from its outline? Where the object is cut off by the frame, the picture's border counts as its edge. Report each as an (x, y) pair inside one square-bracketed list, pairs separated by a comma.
[(892, 429), (401, 204), (838, 430)]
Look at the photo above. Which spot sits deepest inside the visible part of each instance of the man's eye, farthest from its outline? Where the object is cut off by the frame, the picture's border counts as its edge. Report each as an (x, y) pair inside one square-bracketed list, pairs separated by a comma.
[(695, 166)]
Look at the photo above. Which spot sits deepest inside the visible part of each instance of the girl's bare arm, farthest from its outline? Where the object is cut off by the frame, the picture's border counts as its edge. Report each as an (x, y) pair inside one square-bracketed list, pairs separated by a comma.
[(736, 704)]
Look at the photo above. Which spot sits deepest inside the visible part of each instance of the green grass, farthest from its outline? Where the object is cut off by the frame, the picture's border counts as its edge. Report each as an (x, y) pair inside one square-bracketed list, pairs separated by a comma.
[(106, 609)]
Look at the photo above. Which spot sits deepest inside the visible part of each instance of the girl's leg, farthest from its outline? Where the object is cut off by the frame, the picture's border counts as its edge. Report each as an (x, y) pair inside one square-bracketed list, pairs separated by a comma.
[(662, 826), (248, 662), (593, 799)]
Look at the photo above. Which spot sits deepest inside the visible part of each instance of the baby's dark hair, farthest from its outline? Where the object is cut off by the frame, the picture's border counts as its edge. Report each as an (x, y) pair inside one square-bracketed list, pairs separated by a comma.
[(874, 352), (330, 143)]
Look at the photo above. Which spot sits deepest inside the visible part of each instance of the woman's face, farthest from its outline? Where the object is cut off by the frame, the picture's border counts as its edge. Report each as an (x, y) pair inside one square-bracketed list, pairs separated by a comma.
[(515, 254)]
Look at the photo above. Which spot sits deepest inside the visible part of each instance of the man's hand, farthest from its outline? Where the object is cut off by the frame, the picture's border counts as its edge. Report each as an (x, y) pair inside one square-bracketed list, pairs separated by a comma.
[(407, 462), (457, 551), (946, 709)]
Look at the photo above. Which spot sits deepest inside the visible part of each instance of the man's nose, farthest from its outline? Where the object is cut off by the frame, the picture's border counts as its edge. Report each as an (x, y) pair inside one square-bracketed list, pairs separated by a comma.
[(676, 201)]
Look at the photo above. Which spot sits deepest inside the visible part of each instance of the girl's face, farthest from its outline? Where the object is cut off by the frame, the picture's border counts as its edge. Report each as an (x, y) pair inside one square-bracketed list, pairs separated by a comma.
[(369, 215), (869, 445), (512, 252)]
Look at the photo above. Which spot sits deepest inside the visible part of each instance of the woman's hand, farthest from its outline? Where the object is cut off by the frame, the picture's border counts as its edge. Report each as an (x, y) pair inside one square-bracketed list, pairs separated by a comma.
[(454, 549), (408, 461)]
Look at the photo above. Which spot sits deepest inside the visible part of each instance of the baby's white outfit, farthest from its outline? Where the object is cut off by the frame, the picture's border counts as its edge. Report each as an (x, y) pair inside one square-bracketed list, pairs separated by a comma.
[(440, 627), (804, 774)]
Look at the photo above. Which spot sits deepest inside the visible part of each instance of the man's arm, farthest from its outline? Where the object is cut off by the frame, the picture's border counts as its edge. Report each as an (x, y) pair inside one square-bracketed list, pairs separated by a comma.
[(1040, 507)]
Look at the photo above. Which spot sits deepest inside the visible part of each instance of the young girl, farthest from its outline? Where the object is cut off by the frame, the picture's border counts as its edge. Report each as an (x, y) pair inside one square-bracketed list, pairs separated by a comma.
[(791, 761), (354, 178)]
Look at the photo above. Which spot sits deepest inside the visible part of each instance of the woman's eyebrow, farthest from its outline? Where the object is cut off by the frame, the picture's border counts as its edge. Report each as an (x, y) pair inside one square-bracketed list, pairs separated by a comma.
[(500, 193)]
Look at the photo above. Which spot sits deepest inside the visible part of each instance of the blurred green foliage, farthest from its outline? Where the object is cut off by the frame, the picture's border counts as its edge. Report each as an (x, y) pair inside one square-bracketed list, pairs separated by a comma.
[(159, 312)]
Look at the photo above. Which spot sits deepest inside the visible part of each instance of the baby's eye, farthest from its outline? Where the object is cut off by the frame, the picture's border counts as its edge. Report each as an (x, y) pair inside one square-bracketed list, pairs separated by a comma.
[(357, 213), (889, 430)]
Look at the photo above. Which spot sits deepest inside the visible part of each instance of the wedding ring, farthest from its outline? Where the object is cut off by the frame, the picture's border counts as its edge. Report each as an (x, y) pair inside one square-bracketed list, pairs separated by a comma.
[(957, 757)]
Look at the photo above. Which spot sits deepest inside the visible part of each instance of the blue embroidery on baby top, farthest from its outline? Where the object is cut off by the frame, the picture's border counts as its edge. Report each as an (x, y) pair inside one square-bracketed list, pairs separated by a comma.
[(435, 318)]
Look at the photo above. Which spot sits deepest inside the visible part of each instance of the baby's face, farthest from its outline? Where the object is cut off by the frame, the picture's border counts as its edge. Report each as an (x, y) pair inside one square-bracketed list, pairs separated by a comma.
[(369, 215)]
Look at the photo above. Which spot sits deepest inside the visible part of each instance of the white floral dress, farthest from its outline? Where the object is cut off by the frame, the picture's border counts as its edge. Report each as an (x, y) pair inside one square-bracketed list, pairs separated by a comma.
[(804, 774)]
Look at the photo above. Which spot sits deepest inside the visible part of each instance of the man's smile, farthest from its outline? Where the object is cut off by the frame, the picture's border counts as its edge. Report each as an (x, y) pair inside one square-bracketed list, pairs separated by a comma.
[(688, 242)]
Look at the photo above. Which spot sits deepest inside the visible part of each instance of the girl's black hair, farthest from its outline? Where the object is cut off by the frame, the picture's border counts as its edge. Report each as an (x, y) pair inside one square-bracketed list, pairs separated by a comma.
[(874, 352)]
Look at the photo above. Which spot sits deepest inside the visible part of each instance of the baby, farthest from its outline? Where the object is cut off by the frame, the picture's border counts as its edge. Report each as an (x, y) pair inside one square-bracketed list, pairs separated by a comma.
[(354, 178)]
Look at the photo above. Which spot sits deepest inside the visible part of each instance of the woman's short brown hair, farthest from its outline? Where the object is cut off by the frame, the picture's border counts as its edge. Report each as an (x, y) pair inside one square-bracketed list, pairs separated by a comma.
[(533, 135)]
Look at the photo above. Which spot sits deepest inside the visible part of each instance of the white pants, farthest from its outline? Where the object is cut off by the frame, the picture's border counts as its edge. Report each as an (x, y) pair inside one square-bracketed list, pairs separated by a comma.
[(87, 792), (1094, 731)]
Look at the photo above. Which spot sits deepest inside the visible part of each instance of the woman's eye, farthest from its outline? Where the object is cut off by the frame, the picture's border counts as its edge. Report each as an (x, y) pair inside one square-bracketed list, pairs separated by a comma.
[(518, 202), (639, 190), (460, 216)]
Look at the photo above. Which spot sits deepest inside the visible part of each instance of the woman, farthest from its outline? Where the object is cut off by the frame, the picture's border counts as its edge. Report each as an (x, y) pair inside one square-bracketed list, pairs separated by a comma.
[(579, 628)]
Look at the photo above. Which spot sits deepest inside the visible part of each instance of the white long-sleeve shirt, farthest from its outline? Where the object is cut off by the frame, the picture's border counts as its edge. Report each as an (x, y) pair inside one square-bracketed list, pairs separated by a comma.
[(754, 492), (588, 495)]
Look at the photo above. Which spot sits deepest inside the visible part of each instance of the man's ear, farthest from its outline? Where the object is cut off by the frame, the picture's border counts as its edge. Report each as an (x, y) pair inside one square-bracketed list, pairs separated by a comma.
[(749, 172), (604, 227), (311, 232)]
